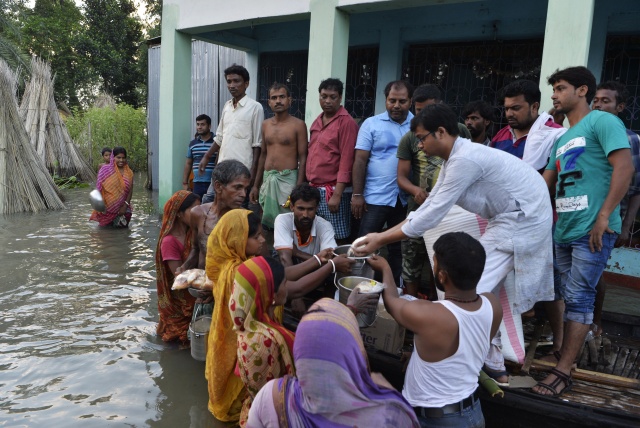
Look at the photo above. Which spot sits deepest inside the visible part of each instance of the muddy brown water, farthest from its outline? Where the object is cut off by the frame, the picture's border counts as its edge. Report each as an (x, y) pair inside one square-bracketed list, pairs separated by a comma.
[(78, 311)]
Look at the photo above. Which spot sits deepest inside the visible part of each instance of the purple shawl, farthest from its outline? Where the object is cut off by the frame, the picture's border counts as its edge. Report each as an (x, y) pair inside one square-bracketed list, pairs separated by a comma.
[(333, 387)]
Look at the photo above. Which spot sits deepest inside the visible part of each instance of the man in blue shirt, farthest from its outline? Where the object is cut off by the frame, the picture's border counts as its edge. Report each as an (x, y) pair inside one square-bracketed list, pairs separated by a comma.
[(377, 199), (197, 149)]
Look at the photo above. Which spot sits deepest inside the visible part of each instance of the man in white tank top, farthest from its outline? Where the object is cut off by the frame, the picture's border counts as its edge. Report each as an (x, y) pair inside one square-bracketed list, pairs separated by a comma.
[(451, 336)]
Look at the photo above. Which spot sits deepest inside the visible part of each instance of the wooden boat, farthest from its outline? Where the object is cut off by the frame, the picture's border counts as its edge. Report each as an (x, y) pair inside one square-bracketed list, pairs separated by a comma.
[(606, 389)]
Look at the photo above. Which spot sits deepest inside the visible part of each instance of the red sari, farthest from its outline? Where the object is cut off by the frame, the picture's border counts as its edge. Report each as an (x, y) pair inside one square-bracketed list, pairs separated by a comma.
[(175, 307)]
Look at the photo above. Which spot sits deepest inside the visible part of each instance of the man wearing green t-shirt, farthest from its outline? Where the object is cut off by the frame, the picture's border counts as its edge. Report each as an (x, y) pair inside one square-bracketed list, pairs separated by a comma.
[(590, 169), (417, 174)]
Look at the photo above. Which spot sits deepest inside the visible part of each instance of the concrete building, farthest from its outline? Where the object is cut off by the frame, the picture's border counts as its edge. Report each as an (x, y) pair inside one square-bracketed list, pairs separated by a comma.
[(470, 48)]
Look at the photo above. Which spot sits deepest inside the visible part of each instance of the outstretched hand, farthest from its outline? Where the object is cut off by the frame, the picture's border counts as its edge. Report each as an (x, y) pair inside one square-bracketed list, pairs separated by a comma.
[(343, 263), (325, 255), (366, 245), (362, 301), (378, 263)]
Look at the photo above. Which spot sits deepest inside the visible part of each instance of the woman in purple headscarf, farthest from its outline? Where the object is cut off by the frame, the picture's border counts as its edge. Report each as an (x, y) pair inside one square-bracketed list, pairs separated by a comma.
[(333, 387)]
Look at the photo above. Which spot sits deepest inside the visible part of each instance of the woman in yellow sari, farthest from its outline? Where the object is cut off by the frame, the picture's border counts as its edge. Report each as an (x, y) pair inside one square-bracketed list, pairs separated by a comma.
[(265, 346), (236, 238)]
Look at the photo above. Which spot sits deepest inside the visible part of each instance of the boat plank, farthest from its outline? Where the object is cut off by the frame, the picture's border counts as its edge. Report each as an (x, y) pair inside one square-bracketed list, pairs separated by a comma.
[(631, 363), (582, 374), (605, 365), (620, 361), (613, 348)]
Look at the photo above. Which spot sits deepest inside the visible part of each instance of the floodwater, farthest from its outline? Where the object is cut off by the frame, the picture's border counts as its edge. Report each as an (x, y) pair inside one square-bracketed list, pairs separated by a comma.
[(78, 311)]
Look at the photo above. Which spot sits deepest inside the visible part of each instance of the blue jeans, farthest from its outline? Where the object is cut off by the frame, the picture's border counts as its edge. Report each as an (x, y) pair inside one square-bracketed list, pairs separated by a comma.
[(200, 188), (580, 270), (373, 220), (469, 417)]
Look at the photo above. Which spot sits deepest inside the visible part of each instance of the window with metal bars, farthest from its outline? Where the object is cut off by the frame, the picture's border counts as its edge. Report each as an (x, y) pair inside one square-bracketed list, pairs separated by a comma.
[(290, 68)]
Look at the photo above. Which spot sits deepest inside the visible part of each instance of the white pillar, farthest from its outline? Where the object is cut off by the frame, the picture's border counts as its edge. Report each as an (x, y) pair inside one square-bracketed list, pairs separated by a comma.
[(567, 39)]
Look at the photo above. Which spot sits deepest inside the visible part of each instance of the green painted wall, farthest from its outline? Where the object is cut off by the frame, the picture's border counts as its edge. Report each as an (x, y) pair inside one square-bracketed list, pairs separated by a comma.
[(175, 104), (328, 50)]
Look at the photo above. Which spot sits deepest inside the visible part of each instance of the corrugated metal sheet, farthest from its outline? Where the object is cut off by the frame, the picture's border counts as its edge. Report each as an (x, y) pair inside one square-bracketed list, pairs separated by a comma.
[(208, 87), (153, 115), (208, 91)]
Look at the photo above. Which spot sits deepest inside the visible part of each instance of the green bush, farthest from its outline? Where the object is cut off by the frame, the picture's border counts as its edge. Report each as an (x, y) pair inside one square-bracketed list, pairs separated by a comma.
[(123, 126)]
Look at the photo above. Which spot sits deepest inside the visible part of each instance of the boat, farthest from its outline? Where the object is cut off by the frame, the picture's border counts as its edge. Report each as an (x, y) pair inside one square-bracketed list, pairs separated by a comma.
[(606, 388)]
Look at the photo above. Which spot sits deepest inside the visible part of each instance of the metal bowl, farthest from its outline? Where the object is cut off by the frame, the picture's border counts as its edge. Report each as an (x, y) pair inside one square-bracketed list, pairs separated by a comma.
[(197, 293), (95, 197), (344, 249)]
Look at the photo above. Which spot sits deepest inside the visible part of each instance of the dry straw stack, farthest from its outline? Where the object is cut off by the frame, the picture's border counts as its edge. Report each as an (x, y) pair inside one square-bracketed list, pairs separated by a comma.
[(25, 184), (47, 131)]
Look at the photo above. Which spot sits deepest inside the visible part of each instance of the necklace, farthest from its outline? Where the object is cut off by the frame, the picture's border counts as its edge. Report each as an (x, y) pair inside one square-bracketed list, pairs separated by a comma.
[(462, 300), (204, 222)]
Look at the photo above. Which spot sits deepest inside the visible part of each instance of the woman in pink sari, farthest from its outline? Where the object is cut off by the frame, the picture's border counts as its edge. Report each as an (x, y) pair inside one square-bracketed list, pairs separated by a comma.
[(115, 183)]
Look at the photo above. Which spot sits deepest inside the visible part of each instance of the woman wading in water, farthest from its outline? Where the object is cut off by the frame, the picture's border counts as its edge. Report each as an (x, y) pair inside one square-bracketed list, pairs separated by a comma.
[(175, 307), (115, 183)]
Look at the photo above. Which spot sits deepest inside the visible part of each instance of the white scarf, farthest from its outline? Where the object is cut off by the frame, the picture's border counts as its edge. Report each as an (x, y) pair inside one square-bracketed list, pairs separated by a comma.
[(540, 141)]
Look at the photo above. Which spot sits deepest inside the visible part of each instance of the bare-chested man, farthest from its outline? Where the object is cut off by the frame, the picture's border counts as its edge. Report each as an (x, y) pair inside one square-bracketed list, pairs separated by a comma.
[(231, 182), (283, 157)]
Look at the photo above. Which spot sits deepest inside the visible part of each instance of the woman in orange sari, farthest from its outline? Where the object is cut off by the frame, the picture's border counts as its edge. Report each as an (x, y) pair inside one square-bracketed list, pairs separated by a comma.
[(174, 244), (236, 238), (115, 183), (265, 346)]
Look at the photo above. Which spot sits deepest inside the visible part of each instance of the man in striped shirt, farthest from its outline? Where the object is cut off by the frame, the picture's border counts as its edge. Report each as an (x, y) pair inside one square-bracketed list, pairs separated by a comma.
[(197, 149)]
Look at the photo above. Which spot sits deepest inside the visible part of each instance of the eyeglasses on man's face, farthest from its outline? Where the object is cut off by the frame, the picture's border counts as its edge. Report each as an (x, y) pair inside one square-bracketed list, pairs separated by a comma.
[(421, 139)]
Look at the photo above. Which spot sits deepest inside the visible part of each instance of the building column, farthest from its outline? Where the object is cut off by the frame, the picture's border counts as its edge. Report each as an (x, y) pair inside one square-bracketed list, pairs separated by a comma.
[(567, 39), (328, 51), (598, 39), (175, 104), (251, 64), (389, 64)]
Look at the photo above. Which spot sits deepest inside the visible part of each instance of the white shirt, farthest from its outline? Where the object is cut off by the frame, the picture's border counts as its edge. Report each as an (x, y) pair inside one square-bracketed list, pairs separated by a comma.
[(286, 235), (240, 130), (513, 197)]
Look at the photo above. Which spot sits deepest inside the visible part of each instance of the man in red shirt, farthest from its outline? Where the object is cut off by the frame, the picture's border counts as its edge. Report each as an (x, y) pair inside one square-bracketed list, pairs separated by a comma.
[(331, 149)]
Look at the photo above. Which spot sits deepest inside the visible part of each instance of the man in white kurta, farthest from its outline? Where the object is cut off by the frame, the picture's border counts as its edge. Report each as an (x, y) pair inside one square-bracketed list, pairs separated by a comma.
[(239, 133), (499, 187)]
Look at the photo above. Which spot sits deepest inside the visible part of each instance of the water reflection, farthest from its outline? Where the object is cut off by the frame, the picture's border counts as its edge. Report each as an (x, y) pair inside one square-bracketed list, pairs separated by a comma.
[(78, 311)]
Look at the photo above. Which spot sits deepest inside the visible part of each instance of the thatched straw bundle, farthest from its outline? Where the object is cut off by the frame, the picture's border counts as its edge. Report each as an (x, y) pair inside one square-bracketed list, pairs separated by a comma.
[(25, 184), (47, 131), (104, 100)]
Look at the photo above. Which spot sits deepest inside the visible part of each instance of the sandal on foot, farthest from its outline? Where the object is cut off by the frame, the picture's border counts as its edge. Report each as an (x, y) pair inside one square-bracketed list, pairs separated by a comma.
[(495, 374), (560, 377)]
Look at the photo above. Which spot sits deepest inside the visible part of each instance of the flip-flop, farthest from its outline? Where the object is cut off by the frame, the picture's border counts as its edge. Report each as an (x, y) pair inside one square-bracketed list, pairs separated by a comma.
[(560, 377), (495, 374)]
